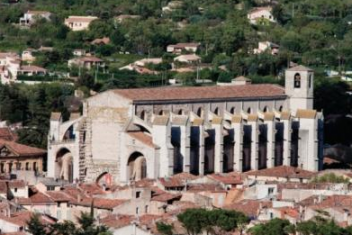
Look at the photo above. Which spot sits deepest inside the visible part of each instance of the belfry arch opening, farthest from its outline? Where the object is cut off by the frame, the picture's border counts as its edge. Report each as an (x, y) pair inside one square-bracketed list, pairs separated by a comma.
[(64, 165), (136, 166)]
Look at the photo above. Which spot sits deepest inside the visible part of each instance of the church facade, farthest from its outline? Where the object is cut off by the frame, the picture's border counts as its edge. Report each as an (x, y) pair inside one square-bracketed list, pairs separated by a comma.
[(131, 134)]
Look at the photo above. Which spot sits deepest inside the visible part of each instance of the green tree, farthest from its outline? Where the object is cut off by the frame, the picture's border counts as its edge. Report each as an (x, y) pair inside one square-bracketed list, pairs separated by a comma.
[(164, 229)]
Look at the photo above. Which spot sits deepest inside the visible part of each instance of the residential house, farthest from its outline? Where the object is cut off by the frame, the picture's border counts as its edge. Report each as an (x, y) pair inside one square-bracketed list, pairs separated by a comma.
[(30, 17), (281, 174), (188, 59), (267, 46), (79, 23), (260, 15), (17, 222), (87, 62), (180, 47)]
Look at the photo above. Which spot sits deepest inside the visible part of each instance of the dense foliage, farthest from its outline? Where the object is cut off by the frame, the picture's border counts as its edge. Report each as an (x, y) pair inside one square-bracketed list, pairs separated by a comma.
[(86, 226)]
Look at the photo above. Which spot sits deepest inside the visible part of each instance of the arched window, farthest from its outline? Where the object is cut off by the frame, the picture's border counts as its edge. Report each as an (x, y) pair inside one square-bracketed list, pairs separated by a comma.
[(297, 81), (216, 111), (232, 110), (249, 110), (143, 116), (180, 112), (265, 109), (281, 108), (200, 112)]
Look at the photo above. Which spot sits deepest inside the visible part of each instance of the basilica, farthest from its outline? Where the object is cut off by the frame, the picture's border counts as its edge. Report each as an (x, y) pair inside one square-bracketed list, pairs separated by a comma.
[(124, 135)]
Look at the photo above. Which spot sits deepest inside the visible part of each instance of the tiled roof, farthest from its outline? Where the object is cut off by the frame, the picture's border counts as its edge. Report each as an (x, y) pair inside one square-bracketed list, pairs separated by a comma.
[(185, 176), (205, 187), (172, 182), (117, 221), (201, 93), (58, 196), (299, 68), (334, 201), (20, 149), (226, 178), (165, 197), (283, 172), (102, 203), (21, 218), (142, 137), (36, 198), (249, 207), (89, 59), (91, 189), (6, 134), (6, 184), (30, 68)]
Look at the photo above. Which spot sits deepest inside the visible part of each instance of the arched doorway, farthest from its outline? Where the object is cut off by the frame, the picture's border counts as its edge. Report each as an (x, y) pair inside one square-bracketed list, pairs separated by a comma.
[(136, 166), (64, 165), (104, 180)]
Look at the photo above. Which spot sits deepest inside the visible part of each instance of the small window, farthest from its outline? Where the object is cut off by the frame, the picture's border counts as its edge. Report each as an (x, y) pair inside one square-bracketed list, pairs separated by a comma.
[(249, 110), (270, 191), (15, 190), (232, 110), (297, 81), (146, 209), (281, 108), (310, 80), (265, 109), (180, 112), (138, 194), (137, 210), (161, 112)]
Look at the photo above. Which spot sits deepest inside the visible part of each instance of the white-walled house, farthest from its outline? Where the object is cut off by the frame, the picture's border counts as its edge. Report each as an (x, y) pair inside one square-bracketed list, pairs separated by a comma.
[(79, 23), (30, 17), (260, 15)]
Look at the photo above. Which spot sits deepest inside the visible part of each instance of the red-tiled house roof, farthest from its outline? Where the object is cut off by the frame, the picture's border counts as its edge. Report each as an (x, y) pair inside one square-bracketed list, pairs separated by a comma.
[(20, 149), (283, 172), (101, 203)]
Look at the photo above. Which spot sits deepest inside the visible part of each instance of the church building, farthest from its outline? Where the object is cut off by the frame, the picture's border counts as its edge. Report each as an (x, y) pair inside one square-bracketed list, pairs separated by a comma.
[(129, 134)]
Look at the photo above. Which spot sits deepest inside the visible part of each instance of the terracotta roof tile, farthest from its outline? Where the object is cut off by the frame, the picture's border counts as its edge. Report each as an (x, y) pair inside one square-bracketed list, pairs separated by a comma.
[(249, 207), (227, 178), (20, 149), (202, 93), (117, 221), (284, 172), (59, 196), (166, 197), (102, 203)]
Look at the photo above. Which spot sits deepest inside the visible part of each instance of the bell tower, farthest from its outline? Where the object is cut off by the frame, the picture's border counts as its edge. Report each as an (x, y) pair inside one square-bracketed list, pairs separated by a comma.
[(299, 87)]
